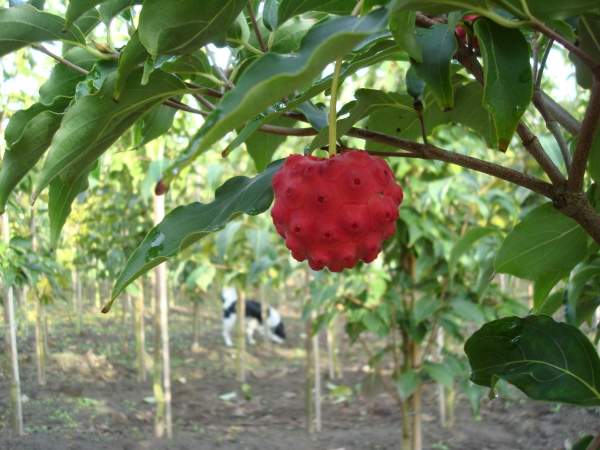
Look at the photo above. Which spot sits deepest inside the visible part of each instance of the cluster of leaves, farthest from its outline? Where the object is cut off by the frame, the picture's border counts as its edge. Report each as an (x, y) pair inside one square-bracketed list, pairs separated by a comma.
[(98, 96)]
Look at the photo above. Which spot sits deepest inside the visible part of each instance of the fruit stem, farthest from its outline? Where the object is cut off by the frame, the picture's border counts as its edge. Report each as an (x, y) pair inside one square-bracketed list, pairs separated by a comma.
[(333, 108)]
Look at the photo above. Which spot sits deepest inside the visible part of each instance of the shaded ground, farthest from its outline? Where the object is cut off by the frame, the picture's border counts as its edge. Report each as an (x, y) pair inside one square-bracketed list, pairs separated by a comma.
[(93, 401)]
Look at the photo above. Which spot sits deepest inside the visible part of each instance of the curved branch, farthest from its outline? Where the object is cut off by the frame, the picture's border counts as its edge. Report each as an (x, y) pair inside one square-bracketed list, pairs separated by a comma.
[(586, 139)]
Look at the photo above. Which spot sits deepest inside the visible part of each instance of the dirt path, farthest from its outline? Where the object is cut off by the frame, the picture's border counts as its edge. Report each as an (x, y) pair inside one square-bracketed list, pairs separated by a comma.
[(93, 401)]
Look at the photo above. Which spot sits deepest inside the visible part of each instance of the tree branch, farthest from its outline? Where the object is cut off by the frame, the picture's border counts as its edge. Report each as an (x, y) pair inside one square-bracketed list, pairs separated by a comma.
[(43, 49), (432, 152), (535, 149), (593, 65), (586, 139), (263, 47), (562, 116)]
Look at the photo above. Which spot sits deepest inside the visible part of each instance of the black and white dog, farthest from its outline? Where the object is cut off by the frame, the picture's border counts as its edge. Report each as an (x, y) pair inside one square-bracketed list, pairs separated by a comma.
[(274, 326)]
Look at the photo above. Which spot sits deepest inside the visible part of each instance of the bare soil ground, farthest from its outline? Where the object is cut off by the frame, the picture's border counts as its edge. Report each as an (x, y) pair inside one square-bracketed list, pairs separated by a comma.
[(93, 401)]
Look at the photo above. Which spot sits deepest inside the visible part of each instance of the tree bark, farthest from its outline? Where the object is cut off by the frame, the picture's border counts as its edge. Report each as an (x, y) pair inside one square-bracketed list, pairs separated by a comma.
[(317, 370), (140, 335), (196, 319), (12, 356), (79, 303)]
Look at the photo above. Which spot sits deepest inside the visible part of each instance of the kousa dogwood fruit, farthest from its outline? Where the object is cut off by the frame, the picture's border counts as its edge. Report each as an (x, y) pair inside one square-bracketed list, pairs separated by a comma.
[(335, 211)]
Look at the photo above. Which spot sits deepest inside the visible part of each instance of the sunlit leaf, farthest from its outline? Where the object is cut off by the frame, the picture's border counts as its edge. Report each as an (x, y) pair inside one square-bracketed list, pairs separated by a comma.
[(273, 76), (544, 240), (95, 121), (60, 199), (24, 25), (187, 224), (290, 8), (182, 27), (28, 136)]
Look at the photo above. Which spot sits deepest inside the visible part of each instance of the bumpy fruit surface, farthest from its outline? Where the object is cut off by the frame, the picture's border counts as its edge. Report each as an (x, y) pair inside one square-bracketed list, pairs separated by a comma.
[(335, 211)]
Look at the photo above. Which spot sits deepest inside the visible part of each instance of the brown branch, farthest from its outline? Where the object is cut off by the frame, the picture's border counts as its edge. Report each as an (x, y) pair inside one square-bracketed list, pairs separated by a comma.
[(288, 131), (552, 126), (205, 102), (593, 65), (219, 71), (263, 47), (432, 152), (562, 116), (535, 149), (43, 49), (586, 139)]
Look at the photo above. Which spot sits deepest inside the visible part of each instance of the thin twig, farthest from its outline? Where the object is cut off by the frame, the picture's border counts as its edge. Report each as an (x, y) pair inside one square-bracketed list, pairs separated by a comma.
[(562, 116), (43, 49), (172, 103), (586, 139), (534, 147), (593, 65), (219, 71), (535, 48), (538, 79), (553, 127), (256, 29), (205, 102)]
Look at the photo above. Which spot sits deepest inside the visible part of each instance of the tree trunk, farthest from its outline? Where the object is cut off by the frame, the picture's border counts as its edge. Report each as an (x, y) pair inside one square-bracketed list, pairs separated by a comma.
[(308, 398), (12, 357), (264, 313), (317, 370), (196, 319), (39, 343), (416, 398), (79, 303), (45, 330), (126, 306), (97, 293), (335, 371), (240, 372), (140, 335), (159, 420)]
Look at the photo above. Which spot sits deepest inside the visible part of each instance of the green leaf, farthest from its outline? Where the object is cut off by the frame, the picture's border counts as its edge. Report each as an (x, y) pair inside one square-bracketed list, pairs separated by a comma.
[(552, 303), (544, 240), (425, 307), (273, 76), (28, 136), (187, 224), (132, 56), (225, 238), (402, 26), (408, 383), (270, 14), (508, 86), (95, 122), (60, 199), (548, 361), (196, 63), (439, 46), (544, 284), (180, 28), (24, 25), (316, 114), (154, 124), (258, 267), (414, 85), (583, 443), (77, 8), (465, 242), (63, 80), (440, 373), (290, 8), (581, 275), (111, 8), (469, 111), (262, 146), (557, 9), (368, 102), (436, 6), (589, 42)]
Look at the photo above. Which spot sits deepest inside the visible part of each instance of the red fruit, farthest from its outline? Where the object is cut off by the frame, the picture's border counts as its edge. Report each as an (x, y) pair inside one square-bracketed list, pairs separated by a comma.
[(336, 211)]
